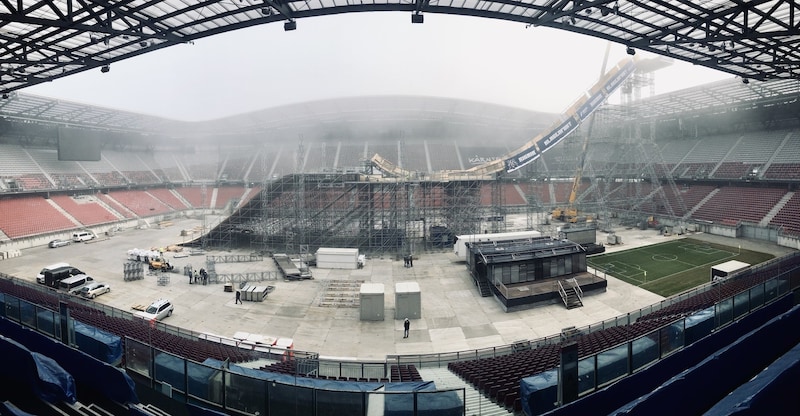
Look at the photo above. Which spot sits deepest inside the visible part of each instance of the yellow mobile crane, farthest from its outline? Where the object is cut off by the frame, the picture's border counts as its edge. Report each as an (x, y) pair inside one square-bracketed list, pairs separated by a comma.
[(570, 212)]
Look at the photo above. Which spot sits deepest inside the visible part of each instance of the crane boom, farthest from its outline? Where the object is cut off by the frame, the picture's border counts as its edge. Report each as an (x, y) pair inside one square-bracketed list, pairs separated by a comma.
[(571, 213)]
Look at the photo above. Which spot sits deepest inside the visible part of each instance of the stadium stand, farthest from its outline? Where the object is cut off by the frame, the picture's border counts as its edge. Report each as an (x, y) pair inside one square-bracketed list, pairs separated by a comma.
[(286, 161), (750, 152), (784, 164), (85, 209), (733, 204), (351, 156), (31, 215), (444, 156), (229, 194), (168, 197), (321, 157), (117, 206), (789, 216), (141, 203), (198, 197), (235, 166), (415, 156)]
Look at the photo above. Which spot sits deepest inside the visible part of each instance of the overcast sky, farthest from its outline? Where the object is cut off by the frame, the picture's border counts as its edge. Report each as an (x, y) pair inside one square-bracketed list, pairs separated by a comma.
[(359, 54)]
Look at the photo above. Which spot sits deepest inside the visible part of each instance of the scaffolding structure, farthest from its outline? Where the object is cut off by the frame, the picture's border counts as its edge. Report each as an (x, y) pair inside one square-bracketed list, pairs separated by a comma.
[(388, 209), (375, 213), (631, 185)]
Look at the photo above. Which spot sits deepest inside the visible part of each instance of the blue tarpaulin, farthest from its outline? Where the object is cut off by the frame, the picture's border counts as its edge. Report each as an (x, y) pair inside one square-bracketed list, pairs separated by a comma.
[(100, 344), (395, 403), (539, 393), (24, 369)]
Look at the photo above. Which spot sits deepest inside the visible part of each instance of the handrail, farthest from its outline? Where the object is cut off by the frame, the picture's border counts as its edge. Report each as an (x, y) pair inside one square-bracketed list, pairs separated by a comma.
[(562, 292), (578, 290)]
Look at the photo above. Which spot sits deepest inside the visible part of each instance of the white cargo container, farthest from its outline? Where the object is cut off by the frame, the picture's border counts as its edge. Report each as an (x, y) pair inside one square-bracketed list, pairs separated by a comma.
[(407, 301), (723, 271), (337, 258), (372, 301)]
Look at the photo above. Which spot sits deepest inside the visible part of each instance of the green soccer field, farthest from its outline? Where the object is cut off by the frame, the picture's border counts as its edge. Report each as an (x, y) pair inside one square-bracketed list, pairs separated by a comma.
[(671, 267)]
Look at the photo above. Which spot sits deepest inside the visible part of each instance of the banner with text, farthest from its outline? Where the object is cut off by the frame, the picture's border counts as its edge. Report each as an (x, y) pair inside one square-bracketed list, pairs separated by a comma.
[(596, 97)]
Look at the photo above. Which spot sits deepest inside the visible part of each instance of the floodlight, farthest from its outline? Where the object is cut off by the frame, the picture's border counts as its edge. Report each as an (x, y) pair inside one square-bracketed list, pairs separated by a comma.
[(5, 95), (630, 51), (290, 25), (745, 81), (105, 68), (417, 18)]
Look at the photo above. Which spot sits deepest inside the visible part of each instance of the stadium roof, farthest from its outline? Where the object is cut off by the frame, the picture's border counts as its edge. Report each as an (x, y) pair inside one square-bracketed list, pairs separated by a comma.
[(721, 94), (28, 107), (352, 110), (41, 40)]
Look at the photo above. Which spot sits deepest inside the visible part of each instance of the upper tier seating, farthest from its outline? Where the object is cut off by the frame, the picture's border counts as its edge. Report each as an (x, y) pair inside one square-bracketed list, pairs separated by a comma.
[(443, 156), (414, 156)]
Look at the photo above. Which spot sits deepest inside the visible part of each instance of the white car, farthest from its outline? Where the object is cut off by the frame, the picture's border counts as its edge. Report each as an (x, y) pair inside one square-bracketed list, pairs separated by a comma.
[(157, 311), (94, 289)]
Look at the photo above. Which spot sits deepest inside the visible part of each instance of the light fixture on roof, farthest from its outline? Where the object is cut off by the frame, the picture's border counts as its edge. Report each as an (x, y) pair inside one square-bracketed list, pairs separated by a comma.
[(266, 11), (105, 68), (745, 81), (144, 44), (290, 25), (5, 95), (417, 18), (604, 11), (630, 51)]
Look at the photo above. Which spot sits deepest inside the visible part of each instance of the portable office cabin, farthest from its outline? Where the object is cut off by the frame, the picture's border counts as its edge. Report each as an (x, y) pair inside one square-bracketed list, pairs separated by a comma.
[(372, 301), (337, 258), (407, 302)]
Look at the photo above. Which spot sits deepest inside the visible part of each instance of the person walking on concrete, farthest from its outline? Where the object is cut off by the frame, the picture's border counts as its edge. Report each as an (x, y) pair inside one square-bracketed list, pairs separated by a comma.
[(406, 326), (238, 297)]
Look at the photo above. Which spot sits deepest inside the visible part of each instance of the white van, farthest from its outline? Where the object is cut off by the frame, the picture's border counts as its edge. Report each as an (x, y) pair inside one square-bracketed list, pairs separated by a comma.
[(79, 236), (40, 276), (74, 284)]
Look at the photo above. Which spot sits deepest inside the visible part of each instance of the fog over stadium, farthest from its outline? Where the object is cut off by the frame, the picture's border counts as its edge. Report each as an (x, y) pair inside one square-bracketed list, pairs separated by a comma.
[(360, 54)]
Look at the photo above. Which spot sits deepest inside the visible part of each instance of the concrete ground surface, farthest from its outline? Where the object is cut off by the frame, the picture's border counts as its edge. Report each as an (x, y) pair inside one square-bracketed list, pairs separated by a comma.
[(453, 315)]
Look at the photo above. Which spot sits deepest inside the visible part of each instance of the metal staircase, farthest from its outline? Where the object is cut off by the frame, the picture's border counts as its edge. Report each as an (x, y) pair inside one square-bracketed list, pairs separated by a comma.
[(571, 293), (484, 287)]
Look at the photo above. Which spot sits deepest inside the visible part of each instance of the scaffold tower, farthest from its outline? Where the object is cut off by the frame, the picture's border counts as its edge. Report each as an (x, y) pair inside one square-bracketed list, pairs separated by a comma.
[(633, 185)]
